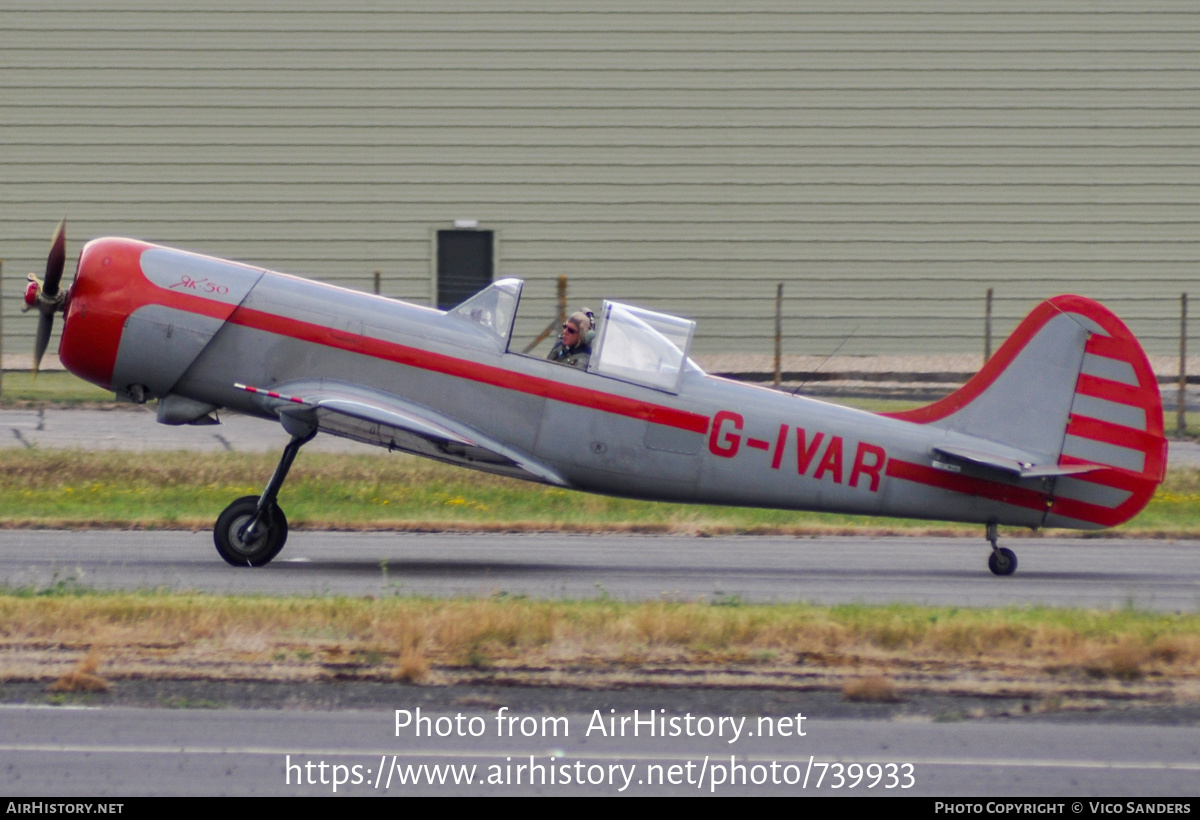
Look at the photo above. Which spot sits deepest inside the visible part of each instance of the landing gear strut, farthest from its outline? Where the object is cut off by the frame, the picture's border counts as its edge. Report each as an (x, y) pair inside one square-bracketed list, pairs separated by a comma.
[(1002, 561), (252, 530)]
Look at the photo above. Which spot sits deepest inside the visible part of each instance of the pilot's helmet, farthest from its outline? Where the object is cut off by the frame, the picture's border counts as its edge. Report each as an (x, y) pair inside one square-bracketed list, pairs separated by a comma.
[(585, 320)]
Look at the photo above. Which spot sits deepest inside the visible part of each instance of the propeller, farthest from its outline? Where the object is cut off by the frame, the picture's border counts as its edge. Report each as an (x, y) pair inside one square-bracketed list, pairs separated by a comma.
[(45, 294)]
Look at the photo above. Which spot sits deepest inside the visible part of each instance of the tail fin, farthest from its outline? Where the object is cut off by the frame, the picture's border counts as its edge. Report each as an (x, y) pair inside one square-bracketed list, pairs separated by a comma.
[(1073, 388)]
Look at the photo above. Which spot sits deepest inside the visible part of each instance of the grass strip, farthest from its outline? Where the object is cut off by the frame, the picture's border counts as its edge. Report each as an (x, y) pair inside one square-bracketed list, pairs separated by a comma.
[(67, 488), (83, 640), (50, 387)]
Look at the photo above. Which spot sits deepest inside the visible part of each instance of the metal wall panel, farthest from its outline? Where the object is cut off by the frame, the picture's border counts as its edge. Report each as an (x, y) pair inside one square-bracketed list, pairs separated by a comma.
[(888, 161)]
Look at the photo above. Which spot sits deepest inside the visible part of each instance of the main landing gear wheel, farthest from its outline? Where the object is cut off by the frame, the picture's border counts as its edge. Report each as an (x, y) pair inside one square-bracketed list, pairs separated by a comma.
[(261, 514), (1002, 561), (229, 534)]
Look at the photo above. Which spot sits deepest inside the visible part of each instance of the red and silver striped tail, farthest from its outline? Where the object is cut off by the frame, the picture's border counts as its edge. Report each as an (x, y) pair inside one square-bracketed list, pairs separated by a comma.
[(1116, 421), (1070, 386)]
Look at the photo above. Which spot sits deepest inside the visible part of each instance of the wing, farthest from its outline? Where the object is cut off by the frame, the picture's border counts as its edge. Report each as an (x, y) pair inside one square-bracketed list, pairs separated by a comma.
[(378, 418)]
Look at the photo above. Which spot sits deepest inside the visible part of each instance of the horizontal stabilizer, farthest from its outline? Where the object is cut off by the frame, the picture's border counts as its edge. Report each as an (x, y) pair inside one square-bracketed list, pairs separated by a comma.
[(1010, 467)]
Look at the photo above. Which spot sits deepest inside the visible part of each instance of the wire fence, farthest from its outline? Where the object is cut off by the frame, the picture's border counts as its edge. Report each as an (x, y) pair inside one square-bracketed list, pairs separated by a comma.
[(956, 325), (873, 323)]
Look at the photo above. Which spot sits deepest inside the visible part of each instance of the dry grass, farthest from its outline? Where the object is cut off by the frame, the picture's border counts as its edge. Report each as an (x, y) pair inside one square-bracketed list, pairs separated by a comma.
[(867, 653), (1126, 661), (412, 666), (83, 678), (871, 689)]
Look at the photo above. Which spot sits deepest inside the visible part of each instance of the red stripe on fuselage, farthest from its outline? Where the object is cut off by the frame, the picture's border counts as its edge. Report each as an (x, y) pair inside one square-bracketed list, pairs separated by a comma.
[(933, 477), (461, 368), (1142, 490)]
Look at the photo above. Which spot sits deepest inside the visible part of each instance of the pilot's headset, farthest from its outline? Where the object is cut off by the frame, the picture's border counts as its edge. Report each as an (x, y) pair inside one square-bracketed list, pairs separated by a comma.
[(586, 320)]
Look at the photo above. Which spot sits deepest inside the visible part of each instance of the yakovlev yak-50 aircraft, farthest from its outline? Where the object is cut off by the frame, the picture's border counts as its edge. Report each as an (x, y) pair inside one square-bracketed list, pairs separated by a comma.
[(1063, 427)]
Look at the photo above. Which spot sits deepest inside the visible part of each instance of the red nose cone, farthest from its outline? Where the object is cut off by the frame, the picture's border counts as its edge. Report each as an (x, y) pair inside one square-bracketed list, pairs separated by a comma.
[(31, 294), (106, 290)]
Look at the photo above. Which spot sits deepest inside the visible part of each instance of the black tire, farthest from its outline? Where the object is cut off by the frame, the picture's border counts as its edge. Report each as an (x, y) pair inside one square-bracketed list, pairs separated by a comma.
[(257, 553), (1002, 561)]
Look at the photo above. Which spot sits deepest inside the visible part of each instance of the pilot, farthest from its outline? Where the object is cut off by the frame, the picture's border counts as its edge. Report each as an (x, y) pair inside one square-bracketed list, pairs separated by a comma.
[(574, 347)]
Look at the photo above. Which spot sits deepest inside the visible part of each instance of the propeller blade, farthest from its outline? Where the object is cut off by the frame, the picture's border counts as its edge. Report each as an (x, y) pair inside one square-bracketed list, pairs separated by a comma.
[(45, 325), (56, 261), (45, 295)]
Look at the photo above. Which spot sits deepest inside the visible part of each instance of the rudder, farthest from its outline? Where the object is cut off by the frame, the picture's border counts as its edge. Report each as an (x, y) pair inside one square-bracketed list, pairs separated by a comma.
[(1071, 387)]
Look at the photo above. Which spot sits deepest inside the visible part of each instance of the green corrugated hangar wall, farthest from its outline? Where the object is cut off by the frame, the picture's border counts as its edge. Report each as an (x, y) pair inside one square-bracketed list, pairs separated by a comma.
[(887, 161)]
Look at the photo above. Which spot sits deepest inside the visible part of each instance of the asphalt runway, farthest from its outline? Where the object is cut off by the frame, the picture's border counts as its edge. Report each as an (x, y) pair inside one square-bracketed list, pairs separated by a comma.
[(1097, 572), (122, 751), (126, 752)]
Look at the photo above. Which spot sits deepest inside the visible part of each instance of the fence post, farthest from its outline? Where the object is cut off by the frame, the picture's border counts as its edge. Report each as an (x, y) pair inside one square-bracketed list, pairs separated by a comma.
[(778, 333), (378, 275), (987, 327), (558, 322), (1181, 412)]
